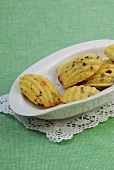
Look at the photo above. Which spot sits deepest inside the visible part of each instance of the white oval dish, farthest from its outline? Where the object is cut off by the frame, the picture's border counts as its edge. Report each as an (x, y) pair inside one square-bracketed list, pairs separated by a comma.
[(48, 68)]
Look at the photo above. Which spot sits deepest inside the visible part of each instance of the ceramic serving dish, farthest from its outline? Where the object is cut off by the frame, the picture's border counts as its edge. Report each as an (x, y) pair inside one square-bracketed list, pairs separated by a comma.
[(48, 68)]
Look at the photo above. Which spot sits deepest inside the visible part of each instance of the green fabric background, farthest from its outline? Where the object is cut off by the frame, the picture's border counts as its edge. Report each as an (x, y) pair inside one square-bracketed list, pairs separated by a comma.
[(31, 30)]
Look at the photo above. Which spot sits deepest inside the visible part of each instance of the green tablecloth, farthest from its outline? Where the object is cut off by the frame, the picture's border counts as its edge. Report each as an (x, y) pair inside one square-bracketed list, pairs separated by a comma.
[(31, 30)]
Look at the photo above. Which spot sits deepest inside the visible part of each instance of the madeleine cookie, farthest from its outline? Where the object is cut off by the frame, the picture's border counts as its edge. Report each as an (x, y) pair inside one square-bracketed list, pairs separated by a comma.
[(39, 90), (78, 69), (109, 51), (104, 77), (77, 93)]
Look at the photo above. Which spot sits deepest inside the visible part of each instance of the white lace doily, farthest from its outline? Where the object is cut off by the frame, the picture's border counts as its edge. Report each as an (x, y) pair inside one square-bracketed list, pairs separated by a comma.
[(58, 130)]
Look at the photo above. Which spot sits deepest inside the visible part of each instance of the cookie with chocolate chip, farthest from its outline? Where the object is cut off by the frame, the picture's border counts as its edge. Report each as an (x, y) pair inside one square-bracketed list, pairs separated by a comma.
[(78, 69), (77, 93), (39, 90), (104, 77)]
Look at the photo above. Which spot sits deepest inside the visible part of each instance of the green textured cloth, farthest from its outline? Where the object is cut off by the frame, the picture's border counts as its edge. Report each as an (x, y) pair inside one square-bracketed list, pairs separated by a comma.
[(31, 30)]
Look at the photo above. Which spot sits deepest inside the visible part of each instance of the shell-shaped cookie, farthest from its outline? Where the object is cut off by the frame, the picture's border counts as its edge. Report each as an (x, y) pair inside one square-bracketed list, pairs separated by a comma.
[(109, 51), (77, 93), (104, 77), (39, 90), (78, 69)]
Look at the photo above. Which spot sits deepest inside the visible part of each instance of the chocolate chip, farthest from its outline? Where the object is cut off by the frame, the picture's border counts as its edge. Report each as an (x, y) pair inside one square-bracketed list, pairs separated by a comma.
[(84, 64), (109, 71), (73, 64), (87, 57), (82, 90), (98, 57), (91, 67)]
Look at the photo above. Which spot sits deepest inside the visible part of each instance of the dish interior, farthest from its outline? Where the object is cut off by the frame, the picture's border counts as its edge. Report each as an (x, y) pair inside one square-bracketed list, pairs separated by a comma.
[(50, 71)]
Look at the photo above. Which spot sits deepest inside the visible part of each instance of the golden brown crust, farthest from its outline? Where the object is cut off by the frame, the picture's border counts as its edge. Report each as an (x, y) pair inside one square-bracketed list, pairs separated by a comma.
[(77, 93), (104, 77), (39, 90), (78, 69)]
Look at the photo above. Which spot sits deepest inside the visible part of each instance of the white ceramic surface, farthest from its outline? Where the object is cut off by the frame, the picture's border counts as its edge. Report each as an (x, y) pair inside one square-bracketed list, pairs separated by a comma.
[(48, 68)]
